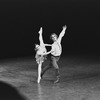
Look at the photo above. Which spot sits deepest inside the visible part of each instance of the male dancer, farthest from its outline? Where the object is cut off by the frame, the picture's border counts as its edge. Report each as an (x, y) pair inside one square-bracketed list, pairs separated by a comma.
[(56, 50), (41, 53)]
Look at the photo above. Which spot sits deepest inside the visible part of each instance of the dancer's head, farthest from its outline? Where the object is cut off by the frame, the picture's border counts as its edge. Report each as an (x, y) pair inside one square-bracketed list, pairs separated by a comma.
[(36, 47), (53, 37)]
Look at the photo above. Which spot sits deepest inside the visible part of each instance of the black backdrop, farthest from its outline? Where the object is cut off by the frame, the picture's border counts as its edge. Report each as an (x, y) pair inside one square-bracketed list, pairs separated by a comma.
[(20, 21)]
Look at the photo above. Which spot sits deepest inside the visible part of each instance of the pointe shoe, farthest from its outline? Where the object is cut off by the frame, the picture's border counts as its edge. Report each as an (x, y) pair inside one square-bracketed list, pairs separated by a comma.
[(38, 80)]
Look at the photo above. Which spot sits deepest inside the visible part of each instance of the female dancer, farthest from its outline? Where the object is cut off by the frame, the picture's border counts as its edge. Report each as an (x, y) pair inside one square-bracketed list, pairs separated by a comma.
[(41, 54)]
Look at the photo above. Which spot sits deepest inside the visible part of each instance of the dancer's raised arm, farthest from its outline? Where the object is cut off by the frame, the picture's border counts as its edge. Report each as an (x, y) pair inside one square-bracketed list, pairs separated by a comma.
[(62, 33)]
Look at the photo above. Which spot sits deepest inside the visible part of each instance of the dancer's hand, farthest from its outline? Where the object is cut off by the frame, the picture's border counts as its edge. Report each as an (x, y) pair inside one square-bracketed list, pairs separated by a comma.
[(40, 31), (52, 51), (64, 27)]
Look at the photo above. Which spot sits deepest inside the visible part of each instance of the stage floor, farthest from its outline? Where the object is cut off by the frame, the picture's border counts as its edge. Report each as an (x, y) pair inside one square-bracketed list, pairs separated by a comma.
[(80, 78)]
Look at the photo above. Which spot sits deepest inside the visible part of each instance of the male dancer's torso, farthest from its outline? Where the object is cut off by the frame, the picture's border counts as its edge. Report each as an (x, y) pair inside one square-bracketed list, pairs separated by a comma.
[(56, 49)]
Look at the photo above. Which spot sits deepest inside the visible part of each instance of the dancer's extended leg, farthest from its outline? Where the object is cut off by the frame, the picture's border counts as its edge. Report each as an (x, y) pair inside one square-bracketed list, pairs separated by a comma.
[(39, 72)]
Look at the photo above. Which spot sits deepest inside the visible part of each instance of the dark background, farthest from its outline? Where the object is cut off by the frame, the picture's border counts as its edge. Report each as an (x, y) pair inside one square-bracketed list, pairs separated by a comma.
[(20, 21)]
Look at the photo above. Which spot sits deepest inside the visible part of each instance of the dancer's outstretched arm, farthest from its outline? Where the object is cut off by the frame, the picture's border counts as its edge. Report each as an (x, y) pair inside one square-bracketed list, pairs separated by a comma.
[(47, 44), (62, 33), (40, 37), (47, 52)]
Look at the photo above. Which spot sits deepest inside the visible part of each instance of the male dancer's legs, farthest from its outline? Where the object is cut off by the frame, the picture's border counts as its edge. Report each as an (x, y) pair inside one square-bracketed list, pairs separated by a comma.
[(53, 62), (56, 67)]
